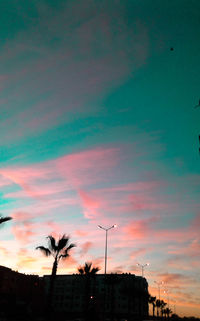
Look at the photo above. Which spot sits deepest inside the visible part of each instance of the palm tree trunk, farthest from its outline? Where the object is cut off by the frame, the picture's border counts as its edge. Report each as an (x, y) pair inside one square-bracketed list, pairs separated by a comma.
[(157, 312), (153, 310), (51, 286)]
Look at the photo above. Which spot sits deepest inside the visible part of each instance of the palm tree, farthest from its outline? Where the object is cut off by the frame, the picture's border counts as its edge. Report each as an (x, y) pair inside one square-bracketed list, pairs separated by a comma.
[(152, 300), (59, 250), (88, 272), (162, 305), (158, 305), (5, 219), (168, 312)]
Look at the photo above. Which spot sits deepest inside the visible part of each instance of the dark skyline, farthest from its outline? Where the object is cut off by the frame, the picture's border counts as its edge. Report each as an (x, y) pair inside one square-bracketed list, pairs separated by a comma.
[(98, 127)]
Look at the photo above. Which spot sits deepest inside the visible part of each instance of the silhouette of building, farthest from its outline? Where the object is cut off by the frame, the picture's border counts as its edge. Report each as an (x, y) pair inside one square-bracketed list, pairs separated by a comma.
[(103, 297), (20, 293)]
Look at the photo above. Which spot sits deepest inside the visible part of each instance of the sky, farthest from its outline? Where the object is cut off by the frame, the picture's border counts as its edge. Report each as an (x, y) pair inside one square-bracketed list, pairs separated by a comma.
[(98, 127)]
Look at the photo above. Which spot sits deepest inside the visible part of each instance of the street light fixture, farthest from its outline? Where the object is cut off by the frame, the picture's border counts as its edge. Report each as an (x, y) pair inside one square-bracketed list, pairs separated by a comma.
[(159, 285), (142, 267), (174, 307), (167, 292), (106, 243)]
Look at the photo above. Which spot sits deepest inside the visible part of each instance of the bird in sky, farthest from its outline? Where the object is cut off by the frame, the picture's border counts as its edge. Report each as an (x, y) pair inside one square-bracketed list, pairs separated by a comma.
[(197, 105)]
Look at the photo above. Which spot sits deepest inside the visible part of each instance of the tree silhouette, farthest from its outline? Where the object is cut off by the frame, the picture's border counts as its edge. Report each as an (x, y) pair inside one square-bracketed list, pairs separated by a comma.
[(162, 306), (152, 300), (168, 312), (88, 270), (59, 250), (158, 305)]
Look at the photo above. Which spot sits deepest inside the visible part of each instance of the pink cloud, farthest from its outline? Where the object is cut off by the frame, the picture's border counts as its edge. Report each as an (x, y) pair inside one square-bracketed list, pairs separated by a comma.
[(89, 166), (25, 177), (138, 186), (81, 233), (21, 216), (24, 259), (176, 280), (145, 202), (85, 248), (137, 229), (69, 263), (134, 254), (90, 204), (4, 251), (79, 169), (52, 71), (4, 181), (170, 234), (22, 233)]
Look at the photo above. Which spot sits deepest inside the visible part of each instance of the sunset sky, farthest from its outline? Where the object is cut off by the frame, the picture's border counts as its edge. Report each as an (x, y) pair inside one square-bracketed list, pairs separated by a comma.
[(98, 126)]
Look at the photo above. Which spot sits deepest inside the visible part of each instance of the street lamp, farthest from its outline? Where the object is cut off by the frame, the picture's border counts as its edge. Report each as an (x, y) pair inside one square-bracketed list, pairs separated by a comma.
[(174, 307), (159, 285), (167, 292), (142, 267), (106, 243)]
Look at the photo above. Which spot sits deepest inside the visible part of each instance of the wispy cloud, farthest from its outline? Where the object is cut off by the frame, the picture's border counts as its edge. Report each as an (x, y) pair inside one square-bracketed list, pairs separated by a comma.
[(67, 74)]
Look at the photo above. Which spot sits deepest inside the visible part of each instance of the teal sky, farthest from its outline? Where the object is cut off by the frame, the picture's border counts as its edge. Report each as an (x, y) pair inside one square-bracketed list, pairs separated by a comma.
[(98, 126)]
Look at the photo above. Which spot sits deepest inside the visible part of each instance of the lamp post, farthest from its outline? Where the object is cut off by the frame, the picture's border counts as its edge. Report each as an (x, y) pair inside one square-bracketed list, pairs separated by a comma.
[(106, 243), (142, 267), (167, 292), (159, 284), (175, 308)]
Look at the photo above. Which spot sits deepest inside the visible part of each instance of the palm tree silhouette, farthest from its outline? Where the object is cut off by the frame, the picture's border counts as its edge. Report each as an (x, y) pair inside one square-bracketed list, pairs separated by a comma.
[(88, 272), (152, 300), (168, 312), (158, 305), (59, 250), (162, 305), (5, 219)]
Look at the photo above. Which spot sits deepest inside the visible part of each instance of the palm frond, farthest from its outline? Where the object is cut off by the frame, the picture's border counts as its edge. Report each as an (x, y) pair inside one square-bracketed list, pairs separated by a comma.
[(88, 270), (87, 267), (63, 256), (44, 250), (70, 247), (95, 270), (63, 242), (65, 252), (52, 243), (5, 219), (81, 270)]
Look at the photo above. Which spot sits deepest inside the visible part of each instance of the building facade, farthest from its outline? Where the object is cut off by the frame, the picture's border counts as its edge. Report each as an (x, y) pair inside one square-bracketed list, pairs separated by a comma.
[(111, 297), (20, 293)]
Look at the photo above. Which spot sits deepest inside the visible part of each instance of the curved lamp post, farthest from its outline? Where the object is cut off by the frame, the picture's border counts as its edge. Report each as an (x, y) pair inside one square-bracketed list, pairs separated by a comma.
[(142, 267), (106, 243)]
